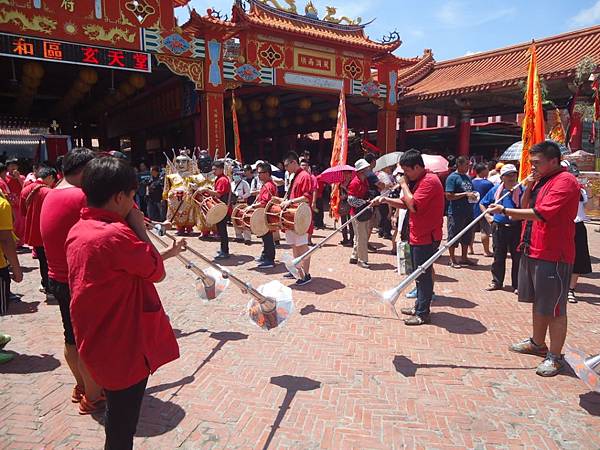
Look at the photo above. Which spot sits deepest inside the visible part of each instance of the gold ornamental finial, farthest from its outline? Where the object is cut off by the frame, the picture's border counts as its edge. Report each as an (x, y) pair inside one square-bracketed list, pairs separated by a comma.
[(330, 17)]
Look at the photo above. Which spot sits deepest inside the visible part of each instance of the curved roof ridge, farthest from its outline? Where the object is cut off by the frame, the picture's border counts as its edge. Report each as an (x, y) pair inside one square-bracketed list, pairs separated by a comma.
[(519, 47)]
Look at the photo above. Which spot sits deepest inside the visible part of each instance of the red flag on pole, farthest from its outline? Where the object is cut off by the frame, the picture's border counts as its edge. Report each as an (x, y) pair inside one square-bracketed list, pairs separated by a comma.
[(533, 122), (236, 131), (339, 153)]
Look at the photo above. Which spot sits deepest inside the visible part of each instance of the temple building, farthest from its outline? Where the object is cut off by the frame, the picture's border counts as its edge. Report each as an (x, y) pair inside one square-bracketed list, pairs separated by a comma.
[(145, 85)]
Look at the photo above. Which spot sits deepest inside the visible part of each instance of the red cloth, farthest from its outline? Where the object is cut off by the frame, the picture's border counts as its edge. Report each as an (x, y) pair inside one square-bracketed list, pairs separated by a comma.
[(32, 211), (553, 237), (15, 185), (121, 329), (425, 223), (60, 211), (223, 187), (359, 189), (320, 188), (267, 191), (303, 186)]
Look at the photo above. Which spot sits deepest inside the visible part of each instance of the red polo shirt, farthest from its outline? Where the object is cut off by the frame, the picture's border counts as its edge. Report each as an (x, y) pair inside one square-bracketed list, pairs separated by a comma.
[(121, 329), (425, 223), (302, 185), (32, 199), (60, 211), (223, 187), (267, 191), (358, 188), (553, 237)]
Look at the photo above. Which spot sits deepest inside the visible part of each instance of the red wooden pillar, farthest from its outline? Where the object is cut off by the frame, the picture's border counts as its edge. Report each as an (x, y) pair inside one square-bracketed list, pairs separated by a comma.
[(464, 133), (213, 123), (386, 129), (576, 139)]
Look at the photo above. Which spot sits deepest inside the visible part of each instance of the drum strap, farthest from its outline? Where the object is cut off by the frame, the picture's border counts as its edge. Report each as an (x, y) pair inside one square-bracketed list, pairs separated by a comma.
[(289, 191)]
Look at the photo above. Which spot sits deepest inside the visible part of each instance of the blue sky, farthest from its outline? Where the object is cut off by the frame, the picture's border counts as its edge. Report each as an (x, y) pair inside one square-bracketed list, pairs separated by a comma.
[(452, 28)]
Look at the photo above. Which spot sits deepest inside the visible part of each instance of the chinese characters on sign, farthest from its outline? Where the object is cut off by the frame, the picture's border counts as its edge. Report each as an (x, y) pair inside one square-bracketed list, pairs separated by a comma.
[(314, 62), (42, 49), (68, 5)]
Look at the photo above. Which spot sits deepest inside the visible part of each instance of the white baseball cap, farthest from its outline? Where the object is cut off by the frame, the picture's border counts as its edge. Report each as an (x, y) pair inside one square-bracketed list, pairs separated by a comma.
[(361, 164), (507, 169)]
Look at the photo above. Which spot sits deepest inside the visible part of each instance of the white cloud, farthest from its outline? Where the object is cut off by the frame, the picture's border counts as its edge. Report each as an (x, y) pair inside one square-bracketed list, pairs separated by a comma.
[(459, 14), (586, 17), (470, 53)]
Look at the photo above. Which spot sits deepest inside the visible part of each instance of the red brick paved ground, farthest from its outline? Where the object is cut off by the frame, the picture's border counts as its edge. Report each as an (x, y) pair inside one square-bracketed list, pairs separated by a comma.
[(369, 382)]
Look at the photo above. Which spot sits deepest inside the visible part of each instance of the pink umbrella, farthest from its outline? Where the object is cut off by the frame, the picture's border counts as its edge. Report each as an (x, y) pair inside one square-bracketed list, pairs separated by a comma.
[(435, 163), (335, 174)]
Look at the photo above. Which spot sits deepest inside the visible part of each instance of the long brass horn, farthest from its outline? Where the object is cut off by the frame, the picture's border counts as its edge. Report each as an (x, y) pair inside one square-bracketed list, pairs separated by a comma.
[(391, 296), (209, 283), (293, 265), (268, 309)]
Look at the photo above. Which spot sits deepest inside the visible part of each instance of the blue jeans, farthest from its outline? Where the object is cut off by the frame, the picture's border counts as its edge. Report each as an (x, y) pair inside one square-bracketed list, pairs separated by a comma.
[(420, 254), (155, 210)]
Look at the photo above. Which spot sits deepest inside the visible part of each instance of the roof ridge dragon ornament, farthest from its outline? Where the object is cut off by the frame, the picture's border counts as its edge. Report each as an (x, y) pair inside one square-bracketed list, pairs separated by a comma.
[(330, 17), (291, 5)]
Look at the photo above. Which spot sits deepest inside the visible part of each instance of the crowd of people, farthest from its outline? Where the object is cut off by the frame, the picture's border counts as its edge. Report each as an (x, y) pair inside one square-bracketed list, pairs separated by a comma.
[(86, 224)]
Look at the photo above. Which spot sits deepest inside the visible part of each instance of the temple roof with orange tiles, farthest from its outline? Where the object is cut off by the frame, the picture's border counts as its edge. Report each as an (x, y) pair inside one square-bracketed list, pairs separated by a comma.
[(558, 57), (259, 16)]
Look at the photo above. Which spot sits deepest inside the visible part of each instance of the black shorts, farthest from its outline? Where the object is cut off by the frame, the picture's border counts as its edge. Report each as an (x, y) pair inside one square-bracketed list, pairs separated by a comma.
[(545, 284), (483, 227), (457, 223), (583, 264), (4, 290), (62, 294)]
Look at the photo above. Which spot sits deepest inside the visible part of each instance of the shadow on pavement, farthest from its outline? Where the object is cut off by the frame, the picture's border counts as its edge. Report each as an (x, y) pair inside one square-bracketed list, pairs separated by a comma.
[(590, 402), (309, 309), (222, 338), (157, 417), (292, 385), (320, 286), (457, 324), (408, 368), (30, 363), (16, 308), (453, 302), (180, 334)]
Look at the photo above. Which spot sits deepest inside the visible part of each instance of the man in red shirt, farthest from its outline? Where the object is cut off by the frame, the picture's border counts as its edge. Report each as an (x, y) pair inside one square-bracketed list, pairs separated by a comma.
[(32, 198), (423, 196), (267, 191), (15, 181), (550, 204), (3, 185), (358, 193), (121, 329), (60, 211), (221, 191), (299, 191)]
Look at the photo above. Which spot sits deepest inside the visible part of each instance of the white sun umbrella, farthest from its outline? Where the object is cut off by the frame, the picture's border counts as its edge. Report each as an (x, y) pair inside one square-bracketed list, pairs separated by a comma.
[(389, 159), (273, 168)]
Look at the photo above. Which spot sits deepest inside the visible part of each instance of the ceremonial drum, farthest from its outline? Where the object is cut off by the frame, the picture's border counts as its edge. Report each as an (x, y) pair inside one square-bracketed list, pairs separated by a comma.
[(212, 209), (296, 218), (237, 215), (254, 220)]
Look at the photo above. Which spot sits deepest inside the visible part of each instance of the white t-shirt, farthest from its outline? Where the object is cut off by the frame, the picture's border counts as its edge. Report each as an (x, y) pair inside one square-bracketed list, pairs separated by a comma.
[(241, 189), (581, 215)]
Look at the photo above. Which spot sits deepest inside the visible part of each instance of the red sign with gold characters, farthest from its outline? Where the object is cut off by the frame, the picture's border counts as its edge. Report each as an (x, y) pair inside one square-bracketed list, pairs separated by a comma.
[(70, 53), (313, 62)]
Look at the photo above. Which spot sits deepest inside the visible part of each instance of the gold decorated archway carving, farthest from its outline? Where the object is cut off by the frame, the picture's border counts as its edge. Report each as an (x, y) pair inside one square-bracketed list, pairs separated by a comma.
[(193, 69)]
